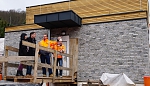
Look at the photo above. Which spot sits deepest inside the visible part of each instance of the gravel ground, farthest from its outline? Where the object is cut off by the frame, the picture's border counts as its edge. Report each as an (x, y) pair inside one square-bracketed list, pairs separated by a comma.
[(139, 84), (8, 83)]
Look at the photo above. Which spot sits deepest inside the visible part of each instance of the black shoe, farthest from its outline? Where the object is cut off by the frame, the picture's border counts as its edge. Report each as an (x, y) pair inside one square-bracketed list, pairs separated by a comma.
[(19, 73)]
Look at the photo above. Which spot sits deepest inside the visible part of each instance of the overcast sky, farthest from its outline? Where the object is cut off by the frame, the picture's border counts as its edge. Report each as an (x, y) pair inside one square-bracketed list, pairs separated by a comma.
[(22, 4)]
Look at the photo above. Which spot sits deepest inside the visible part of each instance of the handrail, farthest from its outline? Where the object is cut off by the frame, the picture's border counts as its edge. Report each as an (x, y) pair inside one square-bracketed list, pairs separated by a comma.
[(45, 65), (16, 58), (44, 48), (11, 48), (65, 54), (28, 44), (16, 65), (39, 64), (40, 47)]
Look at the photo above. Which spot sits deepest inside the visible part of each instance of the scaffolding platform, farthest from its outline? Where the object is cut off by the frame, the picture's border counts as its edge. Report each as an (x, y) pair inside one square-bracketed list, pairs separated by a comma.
[(64, 79), (33, 61)]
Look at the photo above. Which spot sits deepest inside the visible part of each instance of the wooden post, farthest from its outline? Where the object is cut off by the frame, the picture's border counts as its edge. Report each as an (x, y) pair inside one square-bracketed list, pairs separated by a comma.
[(51, 57), (15, 79), (72, 67), (88, 83), (5, 64), (36, 63), (71, 47), (54, 68), (1, 66), (73, 50)]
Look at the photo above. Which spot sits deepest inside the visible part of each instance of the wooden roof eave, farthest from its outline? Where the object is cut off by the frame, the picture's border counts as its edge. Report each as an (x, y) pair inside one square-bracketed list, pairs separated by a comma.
[(23, 27)]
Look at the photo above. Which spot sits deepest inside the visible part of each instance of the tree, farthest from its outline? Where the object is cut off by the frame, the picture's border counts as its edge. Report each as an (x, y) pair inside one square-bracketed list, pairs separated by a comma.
[(13, 17), (3, 24)]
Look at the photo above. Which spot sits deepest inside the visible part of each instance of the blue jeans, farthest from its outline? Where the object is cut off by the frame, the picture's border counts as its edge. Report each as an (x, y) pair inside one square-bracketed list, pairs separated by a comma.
[(46, 58), (60, 61), (29, 69)]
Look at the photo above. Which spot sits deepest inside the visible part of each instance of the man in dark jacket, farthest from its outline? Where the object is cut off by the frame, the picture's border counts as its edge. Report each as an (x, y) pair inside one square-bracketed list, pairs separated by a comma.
[(31, 51)]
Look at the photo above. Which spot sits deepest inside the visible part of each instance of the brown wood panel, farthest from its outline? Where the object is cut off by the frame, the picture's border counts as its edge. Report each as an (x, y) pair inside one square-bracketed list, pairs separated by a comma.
[(11, 48), (89, 20), (16, 58), (59, 80), (94, 6), (36, 62), (65, 54), (92, 2), (54, 68), (23, 27), (25, 63), (5, 64), (87, 8), (73, 50), (116, 17), (13, 65), (19, 79)]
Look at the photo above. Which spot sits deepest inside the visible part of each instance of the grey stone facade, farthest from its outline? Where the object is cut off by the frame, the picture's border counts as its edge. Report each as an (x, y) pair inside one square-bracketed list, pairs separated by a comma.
[(114, 47)]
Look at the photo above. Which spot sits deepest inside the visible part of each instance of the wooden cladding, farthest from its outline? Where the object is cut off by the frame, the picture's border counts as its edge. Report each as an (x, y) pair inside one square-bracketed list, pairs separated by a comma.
[(116, 17), (89, 8), (91, 11), (23, 27)]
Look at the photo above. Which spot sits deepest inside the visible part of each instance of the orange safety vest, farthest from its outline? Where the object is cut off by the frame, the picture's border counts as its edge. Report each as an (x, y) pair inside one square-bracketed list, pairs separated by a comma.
[(44, 43), (59, 48), (53, 44)]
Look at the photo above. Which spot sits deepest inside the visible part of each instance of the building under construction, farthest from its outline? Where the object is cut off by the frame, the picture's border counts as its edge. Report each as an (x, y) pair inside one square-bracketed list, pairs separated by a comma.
[(101, 36)]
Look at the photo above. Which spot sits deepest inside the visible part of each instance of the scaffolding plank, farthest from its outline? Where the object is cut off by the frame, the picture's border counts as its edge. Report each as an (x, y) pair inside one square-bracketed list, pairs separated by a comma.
[(11, 48), (17, 58)]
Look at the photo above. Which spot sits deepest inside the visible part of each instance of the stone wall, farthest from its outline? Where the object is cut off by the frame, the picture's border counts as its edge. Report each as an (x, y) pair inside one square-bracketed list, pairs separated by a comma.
[(114, 47)]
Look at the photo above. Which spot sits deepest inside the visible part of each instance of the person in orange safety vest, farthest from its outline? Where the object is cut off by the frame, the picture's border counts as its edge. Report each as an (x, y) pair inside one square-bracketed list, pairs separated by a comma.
[(60, 48)]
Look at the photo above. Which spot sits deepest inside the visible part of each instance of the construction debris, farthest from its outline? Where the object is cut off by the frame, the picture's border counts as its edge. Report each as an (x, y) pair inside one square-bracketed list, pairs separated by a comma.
[(116, 80)]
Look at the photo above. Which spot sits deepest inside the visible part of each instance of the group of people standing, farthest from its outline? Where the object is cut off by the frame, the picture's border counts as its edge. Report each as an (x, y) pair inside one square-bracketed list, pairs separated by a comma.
[(44, 55)]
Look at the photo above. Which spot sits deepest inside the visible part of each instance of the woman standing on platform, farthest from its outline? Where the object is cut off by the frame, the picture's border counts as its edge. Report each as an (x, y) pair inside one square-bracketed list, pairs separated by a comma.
[(22, 52)]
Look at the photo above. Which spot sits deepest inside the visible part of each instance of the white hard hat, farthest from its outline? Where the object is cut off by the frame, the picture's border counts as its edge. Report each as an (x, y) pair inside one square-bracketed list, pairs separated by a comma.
[(60, 40)]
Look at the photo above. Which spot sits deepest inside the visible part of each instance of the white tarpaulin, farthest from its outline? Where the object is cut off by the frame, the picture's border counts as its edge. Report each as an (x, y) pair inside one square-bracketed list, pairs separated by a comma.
[(1, 46), (116, 80)]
